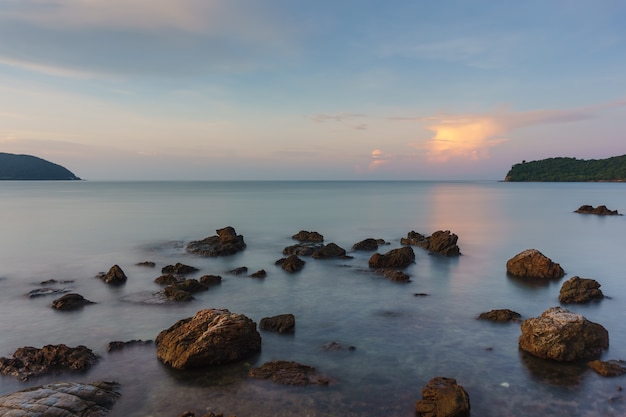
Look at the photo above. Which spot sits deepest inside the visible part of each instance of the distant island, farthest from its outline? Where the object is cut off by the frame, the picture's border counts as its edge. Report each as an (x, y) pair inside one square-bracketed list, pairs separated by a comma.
[(570, 170), (27, 167)]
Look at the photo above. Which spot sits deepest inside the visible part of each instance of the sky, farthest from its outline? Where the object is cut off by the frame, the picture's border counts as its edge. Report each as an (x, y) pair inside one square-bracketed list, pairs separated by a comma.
[(311, 90)]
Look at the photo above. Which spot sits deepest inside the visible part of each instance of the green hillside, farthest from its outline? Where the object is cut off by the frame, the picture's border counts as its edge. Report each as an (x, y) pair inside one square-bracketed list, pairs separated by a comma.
[(570, 170), (27, 167)]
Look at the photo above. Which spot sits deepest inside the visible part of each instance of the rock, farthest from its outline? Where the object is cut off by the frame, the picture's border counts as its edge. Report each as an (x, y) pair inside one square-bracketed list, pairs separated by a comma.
[(61, 399), (442, 242), (369, 244), (394, 275), (395, 258), (333, 346), (70, 301), (190, 285), (119, 345), (167, 279), (291, 263), (147, 264), (178, 269), (501, 315), (173, 293), (239, 271), (115, 276), (302, 249), (304, 236), (209, 280), (331, 250), (563, 336), (29, 361), (600, 210), (259, 274), (46, 291), (533, 264), (580, 290), (226, 242), (211, 337), (443, 397), (608, 368), (283, 323), (288, 373), (54, 281)]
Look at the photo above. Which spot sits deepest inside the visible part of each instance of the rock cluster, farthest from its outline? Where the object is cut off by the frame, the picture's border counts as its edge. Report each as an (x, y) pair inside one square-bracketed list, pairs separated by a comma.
[(442, 242), (533, 264), (226, 242)]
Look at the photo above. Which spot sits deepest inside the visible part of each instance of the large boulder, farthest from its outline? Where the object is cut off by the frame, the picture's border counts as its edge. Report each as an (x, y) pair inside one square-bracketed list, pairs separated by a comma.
[(115, 276), (289, 373), (443, 397), (61, 399), (580, 290), (211, 337), (30, 361), (563, 336), (533, 264), (226, 242), (395, 258)]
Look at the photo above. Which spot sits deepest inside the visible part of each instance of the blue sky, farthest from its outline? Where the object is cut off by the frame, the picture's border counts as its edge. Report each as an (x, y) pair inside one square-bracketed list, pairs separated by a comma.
[(278, 89)]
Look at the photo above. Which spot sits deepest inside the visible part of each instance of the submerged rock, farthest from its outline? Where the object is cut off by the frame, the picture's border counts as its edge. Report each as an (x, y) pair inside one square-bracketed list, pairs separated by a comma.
[(563, 336), (119, 345), (443, 397), (209, 280), (283, 323), (211, 337), (580, 290), (29, 361), (70, 301), (178, 269), (533, 264), (226, 242), (600, 210), (608, 368), (61, 399), (302, 249), (289, 373), (501, 315), (394, 275), (395, 258)]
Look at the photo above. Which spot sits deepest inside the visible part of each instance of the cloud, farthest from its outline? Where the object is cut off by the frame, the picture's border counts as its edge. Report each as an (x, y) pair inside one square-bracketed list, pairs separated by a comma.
[(378, 158), (337, 117)]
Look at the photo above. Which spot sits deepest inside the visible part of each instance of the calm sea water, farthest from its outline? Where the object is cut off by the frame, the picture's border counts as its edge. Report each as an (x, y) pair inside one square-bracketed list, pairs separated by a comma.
[(73, 230)]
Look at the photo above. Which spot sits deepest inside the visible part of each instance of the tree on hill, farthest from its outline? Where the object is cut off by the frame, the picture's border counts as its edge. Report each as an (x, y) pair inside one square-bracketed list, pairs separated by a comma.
[(570, 170), (28, 167)]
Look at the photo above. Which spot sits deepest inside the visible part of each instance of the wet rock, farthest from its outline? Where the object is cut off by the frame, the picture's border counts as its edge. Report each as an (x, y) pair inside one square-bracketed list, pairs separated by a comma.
[(289, 373), (54, 281), (608, 368), (283, 323), (302, 249), (61, 399), (395, 258), (119, 345), (39, 292), (259, 274), (173, 293), (502, 315), (178, 269), (394, 275), (443, 397), (369, 244), (115, 276), (442, 242), (147, 264), (239, 271), (580, 290), (190, 285), (291, 263), (600, 210), (70, 301), (29, 361), (331, 250), (533, 264), (415, 239), (226, 242), (211, 337), (305, 236), (333, 346), (209, 280), (563, 336), (167, 279)]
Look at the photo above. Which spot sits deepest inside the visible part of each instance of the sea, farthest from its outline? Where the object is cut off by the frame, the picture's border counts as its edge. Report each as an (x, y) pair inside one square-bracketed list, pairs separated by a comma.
[(392, 337)]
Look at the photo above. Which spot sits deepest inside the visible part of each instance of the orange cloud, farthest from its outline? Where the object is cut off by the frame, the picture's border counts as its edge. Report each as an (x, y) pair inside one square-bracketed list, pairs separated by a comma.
[(378, 158)]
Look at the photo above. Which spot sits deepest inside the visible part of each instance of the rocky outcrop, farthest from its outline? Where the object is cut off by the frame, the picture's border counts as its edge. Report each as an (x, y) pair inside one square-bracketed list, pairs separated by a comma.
[(291, 263), (443, 397), (61, 399), (178, 269), (600, 210), (115, 276), (211, 337), (29, 361), (533, 264), (305, 236), (283, 323), (501, 315), (332, 250), (608, 368), (226, 242), (69, 302), (289, 373), (442, 242), (580, 290), (369, 244), (563, 336), (119, 345), (395, 258)]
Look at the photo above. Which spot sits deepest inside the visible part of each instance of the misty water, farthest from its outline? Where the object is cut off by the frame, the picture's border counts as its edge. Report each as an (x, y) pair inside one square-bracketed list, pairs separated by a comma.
[(73, 230)]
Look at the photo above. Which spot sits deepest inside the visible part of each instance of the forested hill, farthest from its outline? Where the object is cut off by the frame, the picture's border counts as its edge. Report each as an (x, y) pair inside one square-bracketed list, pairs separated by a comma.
[(27, 167), (570, 169)]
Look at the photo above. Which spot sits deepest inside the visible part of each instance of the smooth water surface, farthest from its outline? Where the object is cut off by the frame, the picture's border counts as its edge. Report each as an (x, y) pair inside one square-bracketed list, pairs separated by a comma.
[(73, 230)]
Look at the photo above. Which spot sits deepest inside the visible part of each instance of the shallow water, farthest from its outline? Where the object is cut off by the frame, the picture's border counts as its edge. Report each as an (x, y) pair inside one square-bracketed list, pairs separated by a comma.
[(73, 230)]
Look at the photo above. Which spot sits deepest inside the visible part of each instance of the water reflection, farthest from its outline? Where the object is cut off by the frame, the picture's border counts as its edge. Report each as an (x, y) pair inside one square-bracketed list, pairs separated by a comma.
[(568, 374)]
